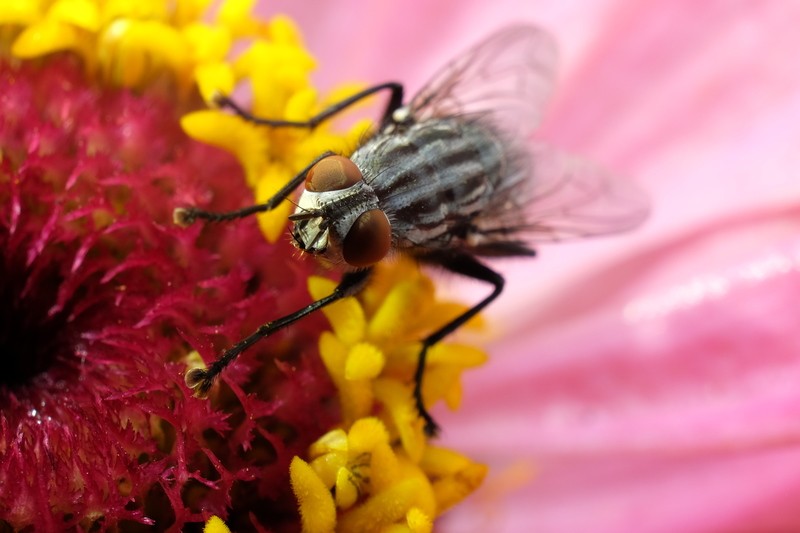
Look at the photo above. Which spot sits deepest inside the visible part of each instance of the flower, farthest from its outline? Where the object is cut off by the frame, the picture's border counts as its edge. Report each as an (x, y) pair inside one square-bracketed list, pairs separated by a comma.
[(103, 298), (648, 381)]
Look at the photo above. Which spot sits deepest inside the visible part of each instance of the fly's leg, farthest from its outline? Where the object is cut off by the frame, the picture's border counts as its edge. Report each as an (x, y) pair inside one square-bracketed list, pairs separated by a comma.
[(395, 101), (468, 266), (185, 216), (201, 379)]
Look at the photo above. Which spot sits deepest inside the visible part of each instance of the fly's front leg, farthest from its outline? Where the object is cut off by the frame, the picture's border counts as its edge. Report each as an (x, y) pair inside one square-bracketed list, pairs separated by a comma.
[(201, 379), (395, 101), (185, 216), (468, 266)]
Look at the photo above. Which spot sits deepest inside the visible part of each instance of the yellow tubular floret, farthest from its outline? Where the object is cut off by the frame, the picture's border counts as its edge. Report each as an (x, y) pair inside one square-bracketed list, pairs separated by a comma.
[(317, 509)]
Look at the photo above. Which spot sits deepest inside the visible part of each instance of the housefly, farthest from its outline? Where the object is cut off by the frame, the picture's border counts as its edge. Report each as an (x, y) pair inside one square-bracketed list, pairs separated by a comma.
[(450, 176)]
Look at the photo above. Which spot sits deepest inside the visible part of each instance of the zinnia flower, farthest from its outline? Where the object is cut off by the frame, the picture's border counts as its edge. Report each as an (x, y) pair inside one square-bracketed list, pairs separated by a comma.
[(646, 382), (103, 298)]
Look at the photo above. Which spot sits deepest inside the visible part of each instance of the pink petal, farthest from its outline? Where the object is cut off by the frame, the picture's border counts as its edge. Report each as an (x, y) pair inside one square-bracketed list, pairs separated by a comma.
[(679, 392)]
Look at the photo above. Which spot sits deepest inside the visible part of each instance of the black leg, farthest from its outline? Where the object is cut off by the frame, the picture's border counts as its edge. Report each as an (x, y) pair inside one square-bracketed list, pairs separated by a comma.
[(184, 216), (468, 266), (201, 379), (395, 101)]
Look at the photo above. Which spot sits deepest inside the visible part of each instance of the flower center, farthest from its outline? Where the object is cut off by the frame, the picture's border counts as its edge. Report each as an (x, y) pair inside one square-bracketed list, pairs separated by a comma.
[(32, 336), (66, 176)]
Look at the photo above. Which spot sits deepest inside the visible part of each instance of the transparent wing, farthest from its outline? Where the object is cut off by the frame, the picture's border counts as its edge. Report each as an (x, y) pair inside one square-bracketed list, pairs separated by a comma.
[(507, 78), (562, 197), (545, 195)]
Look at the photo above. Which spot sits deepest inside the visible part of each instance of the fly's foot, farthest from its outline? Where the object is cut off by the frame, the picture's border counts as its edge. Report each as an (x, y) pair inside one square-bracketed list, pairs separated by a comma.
[(431, 427), (222, 101), (200, 381), (184, 216)]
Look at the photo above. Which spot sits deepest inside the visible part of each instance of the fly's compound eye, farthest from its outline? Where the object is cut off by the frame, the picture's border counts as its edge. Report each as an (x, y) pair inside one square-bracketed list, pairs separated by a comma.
[(369, 240), (333, 173)]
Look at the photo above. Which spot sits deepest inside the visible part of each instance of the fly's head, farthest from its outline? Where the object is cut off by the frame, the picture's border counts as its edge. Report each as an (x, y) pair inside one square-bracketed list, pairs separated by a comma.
[(337, 216)]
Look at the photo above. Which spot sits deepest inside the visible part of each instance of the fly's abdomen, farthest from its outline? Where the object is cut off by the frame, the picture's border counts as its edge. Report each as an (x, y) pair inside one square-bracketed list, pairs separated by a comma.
[(437, 179)]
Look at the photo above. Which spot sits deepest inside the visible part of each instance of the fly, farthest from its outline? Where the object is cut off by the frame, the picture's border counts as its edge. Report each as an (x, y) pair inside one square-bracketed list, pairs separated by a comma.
[(450, 176)]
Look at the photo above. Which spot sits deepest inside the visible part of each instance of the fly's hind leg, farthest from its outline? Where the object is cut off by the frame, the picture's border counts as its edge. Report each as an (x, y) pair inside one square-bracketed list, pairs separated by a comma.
[(465, 265)]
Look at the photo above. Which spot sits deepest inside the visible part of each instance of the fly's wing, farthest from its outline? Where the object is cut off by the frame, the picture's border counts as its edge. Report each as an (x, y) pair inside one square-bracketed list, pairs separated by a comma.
[(543, 195), (560, 197), (506, 78)]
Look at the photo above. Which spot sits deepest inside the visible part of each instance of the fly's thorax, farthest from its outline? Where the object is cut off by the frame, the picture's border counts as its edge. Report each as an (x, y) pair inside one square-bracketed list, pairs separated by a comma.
[(345, 227), (439, 180)]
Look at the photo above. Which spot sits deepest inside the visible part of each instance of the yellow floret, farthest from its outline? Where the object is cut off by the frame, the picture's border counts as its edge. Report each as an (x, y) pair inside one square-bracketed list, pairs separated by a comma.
[(317, 510), (215, 525)]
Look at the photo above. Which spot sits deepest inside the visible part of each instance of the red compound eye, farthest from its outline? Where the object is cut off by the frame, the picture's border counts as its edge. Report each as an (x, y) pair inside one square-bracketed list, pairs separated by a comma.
[(369, 240), (333, 173)]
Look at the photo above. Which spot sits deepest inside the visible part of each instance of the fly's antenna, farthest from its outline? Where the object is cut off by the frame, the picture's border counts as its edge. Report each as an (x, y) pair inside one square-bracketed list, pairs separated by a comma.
[(288, 199)]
